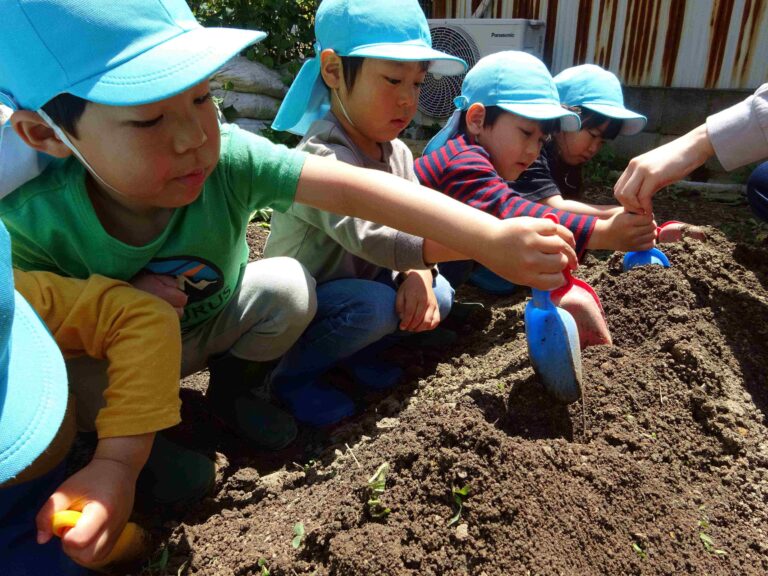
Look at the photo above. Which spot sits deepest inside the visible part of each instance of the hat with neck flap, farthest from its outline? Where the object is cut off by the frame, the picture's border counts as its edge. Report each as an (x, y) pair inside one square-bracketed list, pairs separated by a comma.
[(117, 53), (388, 30), (515, 81), (33, 378)]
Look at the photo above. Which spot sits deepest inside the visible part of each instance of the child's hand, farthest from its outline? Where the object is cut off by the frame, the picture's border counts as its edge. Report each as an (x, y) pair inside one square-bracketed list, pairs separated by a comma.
[(624, 231), (103, 491), (531, 252), (416, 304), (164, 287)]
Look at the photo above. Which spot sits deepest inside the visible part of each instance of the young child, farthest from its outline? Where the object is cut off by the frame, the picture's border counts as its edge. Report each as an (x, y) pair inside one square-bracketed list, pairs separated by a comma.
[(508, 106), (351, 102), (595, 95), (138, 334), (162, 195), (555, 178)]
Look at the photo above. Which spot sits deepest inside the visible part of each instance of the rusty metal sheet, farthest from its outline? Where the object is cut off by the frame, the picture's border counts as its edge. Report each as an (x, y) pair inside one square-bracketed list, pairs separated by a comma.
[(668, 43)]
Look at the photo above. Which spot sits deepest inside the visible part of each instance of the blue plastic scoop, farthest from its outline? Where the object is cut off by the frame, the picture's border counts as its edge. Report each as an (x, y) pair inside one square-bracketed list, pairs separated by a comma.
[(553, 347), (667, 233), (654, 256)]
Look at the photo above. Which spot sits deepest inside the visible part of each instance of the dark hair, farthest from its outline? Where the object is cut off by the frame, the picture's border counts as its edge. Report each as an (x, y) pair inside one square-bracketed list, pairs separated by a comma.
[(591, 120), (65, 110), (492, 114), (351, 66)]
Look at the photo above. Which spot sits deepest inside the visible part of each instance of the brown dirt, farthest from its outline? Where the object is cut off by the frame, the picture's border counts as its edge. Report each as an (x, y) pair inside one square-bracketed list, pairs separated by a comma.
[(662, 469)]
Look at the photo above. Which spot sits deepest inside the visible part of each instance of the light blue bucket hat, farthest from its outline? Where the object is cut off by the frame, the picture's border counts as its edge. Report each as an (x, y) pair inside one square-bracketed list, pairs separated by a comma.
[(513, 80), (590, 86), (118, 53), (388, 30), (33, 378)]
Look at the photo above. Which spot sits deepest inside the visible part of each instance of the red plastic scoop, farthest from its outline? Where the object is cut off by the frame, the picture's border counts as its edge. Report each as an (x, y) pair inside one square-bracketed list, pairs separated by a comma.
[(578, 298), (674, 231)]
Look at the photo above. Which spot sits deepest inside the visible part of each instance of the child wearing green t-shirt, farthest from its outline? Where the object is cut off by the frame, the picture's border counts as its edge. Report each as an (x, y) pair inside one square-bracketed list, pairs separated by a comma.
[(161, 195)]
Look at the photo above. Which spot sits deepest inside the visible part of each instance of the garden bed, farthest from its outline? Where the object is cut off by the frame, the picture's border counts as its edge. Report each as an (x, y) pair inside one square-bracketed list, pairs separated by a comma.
[(661, 469)]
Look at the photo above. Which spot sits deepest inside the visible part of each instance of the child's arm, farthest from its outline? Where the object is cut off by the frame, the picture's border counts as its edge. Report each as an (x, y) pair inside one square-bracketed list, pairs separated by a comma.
[(139, 335), (104, 492), (527, 251), (624, 231), (598, 210)]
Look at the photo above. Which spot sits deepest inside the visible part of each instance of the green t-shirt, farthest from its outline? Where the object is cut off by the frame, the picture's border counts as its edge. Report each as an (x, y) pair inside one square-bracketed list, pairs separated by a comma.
[(54, 227)]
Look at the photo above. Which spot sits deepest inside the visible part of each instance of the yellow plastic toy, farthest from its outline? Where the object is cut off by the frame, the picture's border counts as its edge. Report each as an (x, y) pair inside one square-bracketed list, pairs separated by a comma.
[(131, 545)]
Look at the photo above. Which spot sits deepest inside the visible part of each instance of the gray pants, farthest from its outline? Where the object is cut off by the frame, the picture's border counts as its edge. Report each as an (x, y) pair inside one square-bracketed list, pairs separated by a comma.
[(265, 316)]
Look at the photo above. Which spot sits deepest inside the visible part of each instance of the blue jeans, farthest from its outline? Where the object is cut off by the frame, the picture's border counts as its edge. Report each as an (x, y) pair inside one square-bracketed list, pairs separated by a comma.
[(757, 191), (353, 316), (20, 554)]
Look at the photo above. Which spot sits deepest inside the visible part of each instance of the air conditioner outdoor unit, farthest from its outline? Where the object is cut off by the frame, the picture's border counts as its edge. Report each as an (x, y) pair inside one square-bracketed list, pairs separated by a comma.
[(471, 39)]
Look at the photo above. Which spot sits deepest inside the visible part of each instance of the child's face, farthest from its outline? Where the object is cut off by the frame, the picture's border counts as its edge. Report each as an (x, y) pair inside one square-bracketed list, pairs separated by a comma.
[(513, 142), (382, 101), (155, 155), (579, 147)]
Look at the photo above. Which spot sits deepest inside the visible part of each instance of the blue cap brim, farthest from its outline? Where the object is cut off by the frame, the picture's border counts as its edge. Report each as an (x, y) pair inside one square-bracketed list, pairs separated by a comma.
[(440, 63), (35, 399), (167, 69), (569, 121), (633, 122)]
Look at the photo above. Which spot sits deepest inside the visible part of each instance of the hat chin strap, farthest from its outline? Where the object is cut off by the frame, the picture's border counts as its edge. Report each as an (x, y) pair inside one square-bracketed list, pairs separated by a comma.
[(68, 143)]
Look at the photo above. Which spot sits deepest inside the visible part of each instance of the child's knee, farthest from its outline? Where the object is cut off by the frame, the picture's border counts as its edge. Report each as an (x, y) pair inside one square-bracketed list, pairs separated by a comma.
[(444, 293), (285, 286)]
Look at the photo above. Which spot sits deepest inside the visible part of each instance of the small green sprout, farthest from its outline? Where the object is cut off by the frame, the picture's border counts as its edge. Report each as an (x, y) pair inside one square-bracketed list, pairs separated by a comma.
[(706, 540), (376, 487), (639, 550), (263, 565), (298, 531), (458, 494)]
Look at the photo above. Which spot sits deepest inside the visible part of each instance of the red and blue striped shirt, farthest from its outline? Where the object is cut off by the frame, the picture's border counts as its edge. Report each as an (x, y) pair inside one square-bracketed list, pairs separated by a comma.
[(464, 171)]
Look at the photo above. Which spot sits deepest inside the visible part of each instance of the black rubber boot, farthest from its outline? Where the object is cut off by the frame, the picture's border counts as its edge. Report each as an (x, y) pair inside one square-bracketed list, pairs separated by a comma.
[(250, 415)]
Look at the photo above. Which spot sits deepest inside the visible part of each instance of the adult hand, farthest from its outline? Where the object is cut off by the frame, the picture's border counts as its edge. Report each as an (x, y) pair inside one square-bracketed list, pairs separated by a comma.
[(648, 173)]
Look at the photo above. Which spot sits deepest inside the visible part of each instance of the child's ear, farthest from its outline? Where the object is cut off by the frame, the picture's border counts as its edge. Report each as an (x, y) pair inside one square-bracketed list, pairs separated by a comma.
[(35, 133), (475, 118), (330, 68)]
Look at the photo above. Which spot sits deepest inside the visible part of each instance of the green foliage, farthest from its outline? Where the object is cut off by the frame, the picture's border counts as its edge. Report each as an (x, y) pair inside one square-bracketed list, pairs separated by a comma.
[(263, 565), (458, 494), (298, 531), (262, 217), (290, 25), (604, 168), (376, 487)]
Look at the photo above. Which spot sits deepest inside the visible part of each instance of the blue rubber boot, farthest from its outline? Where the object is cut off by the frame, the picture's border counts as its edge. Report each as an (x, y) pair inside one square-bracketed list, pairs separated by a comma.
[(315, 403)]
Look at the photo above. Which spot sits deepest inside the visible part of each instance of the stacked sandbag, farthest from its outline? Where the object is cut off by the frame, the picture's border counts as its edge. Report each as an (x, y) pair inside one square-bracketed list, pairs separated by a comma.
[(250, 91)]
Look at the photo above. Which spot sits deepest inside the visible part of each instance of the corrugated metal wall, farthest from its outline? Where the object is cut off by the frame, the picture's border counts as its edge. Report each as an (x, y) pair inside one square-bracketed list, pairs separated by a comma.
[(668, 43)]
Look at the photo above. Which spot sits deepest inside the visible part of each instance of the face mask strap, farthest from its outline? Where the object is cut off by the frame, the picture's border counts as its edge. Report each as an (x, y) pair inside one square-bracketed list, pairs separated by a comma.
[(343, 110), (68, 143)]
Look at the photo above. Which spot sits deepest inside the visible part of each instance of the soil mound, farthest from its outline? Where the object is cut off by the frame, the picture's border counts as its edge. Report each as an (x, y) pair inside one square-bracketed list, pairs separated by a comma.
[(662, 469)]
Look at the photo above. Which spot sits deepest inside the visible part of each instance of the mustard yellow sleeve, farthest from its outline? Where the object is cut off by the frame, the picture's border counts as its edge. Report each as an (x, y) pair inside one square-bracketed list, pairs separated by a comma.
[(136, 332)]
